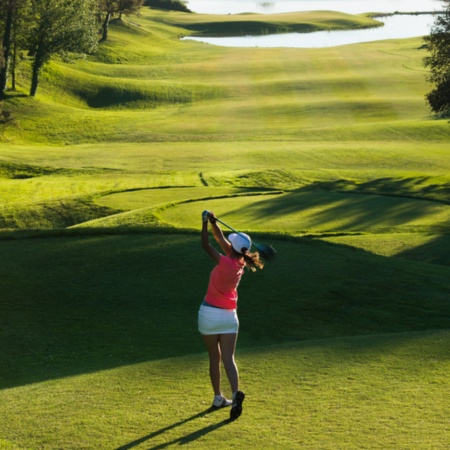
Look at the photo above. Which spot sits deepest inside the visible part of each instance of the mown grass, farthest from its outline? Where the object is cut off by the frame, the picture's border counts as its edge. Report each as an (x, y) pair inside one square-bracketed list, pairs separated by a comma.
[(377, 392), (80, 304), (329, 154), (167, 90), (251, 23), (85, 340)]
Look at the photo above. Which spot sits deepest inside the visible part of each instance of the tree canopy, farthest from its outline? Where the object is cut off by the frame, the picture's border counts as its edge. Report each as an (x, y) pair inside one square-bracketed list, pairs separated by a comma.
[(60, 26), (438, 61), (13, 18), (44, 29), (112, 7), (171, 5)]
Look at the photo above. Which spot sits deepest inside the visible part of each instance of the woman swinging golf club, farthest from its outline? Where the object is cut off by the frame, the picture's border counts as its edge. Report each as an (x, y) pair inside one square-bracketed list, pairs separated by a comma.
[(217, 317)]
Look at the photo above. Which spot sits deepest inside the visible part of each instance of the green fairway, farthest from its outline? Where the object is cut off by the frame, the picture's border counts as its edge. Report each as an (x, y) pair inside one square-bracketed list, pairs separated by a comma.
[(318, 211), (90, 347), (377, 392), (330, 155)]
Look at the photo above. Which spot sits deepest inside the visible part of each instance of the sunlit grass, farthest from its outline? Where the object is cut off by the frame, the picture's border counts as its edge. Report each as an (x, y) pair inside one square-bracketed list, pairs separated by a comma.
[(147, 86), (317, 212), (153, 197), (426, 247), (329, 394)]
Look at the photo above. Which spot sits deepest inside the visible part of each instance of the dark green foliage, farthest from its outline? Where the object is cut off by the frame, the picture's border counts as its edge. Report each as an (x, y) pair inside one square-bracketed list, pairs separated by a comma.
[(111, 8), (13, 23), (170, 5), (439, 98), (438, 45), (5, 116), (60, 27)]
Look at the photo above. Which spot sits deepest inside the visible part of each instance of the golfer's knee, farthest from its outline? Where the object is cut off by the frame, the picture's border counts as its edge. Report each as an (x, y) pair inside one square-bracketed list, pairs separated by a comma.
[(214, 358), (229, 361)]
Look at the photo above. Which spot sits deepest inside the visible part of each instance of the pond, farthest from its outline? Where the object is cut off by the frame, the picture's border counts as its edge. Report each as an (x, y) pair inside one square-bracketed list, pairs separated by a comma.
[(347, 6), (395, 27)]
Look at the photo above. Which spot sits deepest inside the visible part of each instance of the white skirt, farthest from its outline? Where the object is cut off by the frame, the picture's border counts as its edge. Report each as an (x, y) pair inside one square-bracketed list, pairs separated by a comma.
[(217, 320)]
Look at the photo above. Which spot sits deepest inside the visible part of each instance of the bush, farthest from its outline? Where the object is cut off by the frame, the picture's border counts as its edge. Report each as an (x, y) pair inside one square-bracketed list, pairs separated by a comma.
[(171, 5), (438, 61), (5, 115)]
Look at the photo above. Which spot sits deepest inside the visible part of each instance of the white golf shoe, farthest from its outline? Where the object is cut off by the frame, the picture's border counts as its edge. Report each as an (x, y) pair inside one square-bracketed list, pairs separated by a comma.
[(221, 402)]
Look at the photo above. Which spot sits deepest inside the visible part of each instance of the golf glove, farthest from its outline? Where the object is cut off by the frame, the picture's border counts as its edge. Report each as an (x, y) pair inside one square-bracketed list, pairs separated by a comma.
[(205, 216)]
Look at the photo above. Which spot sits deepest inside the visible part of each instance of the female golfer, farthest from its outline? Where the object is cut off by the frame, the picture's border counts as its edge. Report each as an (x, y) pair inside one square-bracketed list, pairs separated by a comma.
[(217, 317)]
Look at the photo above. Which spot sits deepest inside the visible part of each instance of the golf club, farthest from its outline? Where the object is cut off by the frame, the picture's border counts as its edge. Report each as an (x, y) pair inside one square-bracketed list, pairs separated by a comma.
[(266, 251)]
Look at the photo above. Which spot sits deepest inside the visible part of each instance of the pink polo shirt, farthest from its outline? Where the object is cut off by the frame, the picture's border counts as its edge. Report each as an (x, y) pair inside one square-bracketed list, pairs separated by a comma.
[(223, 283)]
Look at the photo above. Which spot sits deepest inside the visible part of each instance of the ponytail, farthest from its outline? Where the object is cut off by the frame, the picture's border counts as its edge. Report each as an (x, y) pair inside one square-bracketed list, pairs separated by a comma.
[(252, 261)]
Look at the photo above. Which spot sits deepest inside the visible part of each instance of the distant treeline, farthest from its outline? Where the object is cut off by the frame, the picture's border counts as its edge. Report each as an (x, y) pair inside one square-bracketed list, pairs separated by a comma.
[(37, 30), (172, 5)]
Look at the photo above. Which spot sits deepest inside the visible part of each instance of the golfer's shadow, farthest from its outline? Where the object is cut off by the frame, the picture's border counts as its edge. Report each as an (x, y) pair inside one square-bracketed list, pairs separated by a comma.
[(182, 440)]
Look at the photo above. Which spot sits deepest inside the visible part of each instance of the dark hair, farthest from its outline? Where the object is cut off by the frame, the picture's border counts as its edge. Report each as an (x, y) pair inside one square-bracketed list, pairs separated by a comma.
[(252, 261)]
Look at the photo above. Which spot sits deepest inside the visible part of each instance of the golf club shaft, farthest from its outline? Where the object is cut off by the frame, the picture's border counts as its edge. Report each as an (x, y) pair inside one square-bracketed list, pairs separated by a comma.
[(266, 251), (226, 225)]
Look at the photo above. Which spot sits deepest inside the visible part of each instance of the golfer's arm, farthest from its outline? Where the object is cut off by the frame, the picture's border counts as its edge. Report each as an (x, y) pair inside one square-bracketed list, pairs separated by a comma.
[(220, 238), (215, 255)]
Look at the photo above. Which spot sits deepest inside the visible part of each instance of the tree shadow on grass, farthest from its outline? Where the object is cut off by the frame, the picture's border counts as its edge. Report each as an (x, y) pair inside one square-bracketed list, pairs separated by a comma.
[(83, 304), (342, 207), (181, 440)]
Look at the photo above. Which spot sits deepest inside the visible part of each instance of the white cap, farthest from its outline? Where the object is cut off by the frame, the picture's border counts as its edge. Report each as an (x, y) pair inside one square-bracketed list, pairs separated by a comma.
[(240, 242)]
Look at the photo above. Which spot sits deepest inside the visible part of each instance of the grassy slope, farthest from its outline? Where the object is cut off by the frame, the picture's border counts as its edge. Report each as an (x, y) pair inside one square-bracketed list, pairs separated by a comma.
[(82, 338), (260, 93)]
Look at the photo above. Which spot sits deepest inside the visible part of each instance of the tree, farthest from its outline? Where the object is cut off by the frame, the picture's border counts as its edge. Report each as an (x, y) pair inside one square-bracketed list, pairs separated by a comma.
[(21, 21), (60, 27), (438, 45), (169, 5), (112, 7), (13, 16), (8, 10)]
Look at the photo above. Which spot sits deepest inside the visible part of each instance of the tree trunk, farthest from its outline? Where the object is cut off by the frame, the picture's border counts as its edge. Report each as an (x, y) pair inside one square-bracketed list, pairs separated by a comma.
[(105, 26), (13, 67), (37, 65), (6, 50)]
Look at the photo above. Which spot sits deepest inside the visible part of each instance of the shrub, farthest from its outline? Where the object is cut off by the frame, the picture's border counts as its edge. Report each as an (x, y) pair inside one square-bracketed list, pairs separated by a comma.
[(171, 5), (5, 115)]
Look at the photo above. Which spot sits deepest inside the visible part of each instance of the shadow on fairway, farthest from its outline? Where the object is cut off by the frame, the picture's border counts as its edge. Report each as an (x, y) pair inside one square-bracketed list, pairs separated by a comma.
[(435, 251), (332, 208), (182, 440)]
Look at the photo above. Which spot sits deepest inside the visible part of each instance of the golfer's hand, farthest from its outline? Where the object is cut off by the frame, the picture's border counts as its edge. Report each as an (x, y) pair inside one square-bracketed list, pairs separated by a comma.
[(205, 216), (212, 217)]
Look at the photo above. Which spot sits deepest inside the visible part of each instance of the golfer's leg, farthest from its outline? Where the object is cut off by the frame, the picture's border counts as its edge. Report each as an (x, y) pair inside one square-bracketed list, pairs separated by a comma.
[(212, 344), (227, 344)]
